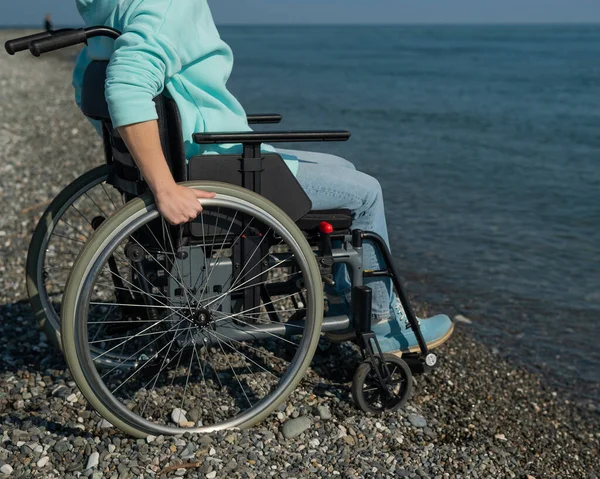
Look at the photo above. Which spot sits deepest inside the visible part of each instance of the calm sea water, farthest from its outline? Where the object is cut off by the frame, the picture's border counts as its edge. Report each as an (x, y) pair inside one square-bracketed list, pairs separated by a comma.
[(487, 143)]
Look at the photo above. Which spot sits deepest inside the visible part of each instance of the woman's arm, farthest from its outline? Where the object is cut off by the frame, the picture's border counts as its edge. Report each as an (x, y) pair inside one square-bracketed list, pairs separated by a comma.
[(142, 61), (177, 204)]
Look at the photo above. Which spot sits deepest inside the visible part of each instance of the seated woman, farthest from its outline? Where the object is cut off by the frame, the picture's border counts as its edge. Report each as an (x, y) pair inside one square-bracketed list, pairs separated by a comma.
[(174, 45)]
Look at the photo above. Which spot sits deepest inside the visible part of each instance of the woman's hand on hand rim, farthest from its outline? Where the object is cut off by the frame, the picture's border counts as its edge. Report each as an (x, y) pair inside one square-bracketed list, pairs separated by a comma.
[(179, 204)]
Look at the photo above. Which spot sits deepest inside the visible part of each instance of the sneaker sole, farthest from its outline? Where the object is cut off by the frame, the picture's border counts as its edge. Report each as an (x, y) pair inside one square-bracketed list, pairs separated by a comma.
[(415, 349), (432, 345)]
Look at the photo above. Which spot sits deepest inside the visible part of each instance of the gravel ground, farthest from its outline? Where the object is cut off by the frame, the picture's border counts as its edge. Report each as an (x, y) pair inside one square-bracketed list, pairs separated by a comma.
[(474, 416)]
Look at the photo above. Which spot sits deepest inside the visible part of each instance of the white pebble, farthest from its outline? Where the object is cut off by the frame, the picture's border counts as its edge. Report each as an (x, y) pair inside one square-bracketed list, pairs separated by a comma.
[(211, 475), (500, 437), (459, 318), (93, 460), (72, 398), (56, 389), (6, 469), (104, 424), (43, 461), (179, 415)]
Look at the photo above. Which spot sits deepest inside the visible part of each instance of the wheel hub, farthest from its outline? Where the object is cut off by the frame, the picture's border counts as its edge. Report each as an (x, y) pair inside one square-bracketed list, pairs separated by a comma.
[(202, 318)]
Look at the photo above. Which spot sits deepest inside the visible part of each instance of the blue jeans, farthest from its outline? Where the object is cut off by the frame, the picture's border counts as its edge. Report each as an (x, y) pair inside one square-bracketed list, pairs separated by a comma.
[(334, 183)]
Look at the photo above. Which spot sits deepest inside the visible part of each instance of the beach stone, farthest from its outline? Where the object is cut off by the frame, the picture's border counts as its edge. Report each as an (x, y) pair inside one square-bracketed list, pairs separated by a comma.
[(295, 427), (188, 451), (104, 424), (349, 440), (324, 412), (459, 318), (93, 460), (179, 415), (417, 421), (61, 447), (500, 437), (211, 475), (43, 461), (193, 415), (6, 469), (205, 440)]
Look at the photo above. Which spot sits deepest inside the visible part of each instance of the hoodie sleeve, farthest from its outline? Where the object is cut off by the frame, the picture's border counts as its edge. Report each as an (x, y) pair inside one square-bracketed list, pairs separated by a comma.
[(142, 60)]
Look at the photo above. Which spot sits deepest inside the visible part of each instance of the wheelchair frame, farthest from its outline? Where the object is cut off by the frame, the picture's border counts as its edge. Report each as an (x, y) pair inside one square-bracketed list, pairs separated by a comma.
[(256, 172)]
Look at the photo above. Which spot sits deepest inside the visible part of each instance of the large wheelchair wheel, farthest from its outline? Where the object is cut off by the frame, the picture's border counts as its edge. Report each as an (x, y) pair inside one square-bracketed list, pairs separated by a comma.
[(222, 316), (58, 238)]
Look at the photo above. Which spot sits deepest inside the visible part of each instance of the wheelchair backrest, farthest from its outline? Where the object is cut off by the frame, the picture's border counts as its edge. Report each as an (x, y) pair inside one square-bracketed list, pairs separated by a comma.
[(126, 176)]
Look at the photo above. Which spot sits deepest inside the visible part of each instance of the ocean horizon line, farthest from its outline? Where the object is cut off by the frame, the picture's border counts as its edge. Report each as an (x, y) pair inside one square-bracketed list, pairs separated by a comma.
[(354, 25)]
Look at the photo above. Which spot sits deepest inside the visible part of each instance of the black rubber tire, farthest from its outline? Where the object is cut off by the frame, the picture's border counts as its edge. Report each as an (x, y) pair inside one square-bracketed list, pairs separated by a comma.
[(365, 373), (47, 318)]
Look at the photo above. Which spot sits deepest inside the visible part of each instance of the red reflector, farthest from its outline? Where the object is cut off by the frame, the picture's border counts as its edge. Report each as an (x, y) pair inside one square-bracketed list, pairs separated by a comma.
[(325, 228)]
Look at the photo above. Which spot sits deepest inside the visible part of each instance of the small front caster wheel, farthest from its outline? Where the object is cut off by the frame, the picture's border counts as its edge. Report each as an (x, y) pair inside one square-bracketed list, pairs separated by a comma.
[(371, 395)]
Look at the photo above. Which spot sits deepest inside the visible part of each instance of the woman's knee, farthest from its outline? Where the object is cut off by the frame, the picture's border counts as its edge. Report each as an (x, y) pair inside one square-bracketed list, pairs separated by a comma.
[(371, 187)]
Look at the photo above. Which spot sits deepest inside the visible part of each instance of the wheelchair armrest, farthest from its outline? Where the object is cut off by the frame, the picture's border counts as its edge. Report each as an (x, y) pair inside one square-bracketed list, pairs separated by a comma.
[(263, 118), (255, 137)]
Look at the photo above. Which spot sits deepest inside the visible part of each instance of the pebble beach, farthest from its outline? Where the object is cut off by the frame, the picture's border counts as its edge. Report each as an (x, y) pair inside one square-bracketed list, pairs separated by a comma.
[(477, 415)]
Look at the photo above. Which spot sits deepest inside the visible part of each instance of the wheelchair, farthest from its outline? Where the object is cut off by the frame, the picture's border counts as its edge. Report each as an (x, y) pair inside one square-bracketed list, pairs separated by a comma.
[(212, 324)]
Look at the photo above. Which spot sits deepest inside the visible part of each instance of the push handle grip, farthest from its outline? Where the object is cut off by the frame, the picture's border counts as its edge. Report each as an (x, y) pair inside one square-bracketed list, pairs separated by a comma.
[(58, 41), (19, 44)]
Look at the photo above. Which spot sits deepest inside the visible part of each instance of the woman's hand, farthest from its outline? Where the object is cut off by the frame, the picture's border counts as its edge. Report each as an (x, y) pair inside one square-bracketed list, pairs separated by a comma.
[(179, 204)]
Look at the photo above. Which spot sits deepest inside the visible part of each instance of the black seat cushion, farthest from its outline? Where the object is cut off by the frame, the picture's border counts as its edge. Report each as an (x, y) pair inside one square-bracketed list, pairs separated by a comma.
[(341, 220)]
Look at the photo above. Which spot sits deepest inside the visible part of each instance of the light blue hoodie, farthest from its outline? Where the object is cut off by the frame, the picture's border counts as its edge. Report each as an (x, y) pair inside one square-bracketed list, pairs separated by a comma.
[(166, 44)]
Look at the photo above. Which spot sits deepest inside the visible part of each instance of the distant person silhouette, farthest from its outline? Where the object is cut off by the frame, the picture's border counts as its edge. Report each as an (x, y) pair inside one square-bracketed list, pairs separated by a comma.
[(48, 23)]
